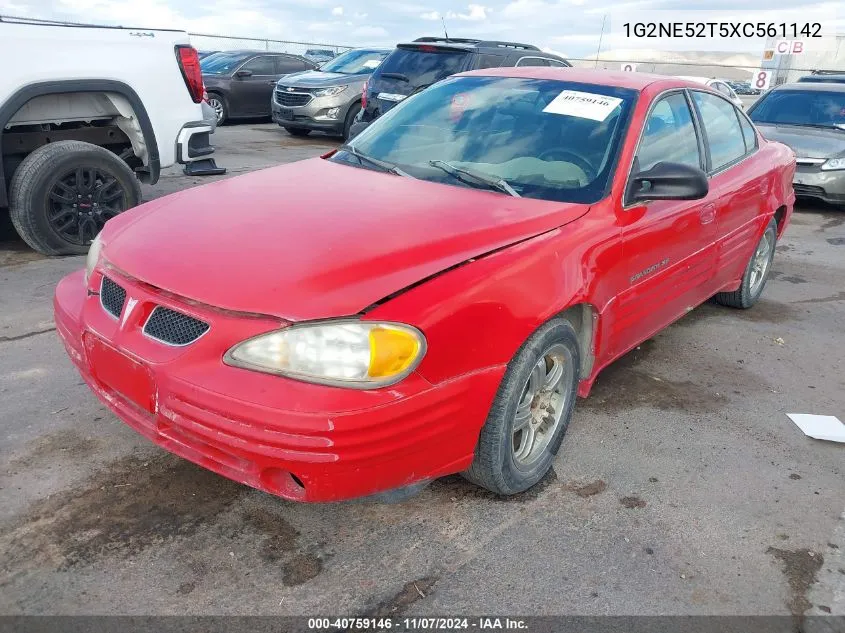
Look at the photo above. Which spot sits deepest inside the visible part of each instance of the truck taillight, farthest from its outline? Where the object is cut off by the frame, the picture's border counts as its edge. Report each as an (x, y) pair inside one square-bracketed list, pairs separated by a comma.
[(189, 64), (364, 94)]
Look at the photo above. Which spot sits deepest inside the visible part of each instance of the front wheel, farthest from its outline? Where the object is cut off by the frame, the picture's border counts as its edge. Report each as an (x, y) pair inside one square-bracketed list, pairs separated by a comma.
[(63, 193), (531, 412), (354, 109), (756, 272)]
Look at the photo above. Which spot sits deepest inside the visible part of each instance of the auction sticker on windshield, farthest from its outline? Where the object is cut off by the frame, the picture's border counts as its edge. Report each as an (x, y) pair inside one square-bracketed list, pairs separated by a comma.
[(585, 105)]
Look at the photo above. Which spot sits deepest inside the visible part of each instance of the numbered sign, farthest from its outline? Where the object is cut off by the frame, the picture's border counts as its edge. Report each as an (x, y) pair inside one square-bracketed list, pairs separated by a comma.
[(629, 68), (761, 79)]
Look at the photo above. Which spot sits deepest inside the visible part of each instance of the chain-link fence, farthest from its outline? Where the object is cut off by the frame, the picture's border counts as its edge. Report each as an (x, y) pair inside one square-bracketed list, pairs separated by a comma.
[(206, 42)]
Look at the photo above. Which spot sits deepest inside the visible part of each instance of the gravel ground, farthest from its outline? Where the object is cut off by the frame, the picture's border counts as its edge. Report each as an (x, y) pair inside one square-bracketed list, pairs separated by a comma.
[(681, 487)]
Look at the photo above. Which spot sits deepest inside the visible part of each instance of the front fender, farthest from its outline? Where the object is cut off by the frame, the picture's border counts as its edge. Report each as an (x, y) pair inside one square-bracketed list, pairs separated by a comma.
[(477, 315)]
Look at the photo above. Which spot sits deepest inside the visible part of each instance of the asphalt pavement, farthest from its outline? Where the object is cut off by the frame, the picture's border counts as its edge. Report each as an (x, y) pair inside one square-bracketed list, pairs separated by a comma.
[(681, 486)]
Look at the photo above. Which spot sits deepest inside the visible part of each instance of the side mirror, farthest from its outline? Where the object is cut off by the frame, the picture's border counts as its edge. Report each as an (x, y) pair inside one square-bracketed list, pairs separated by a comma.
[(356, 128), (243, 73), (668, 181)]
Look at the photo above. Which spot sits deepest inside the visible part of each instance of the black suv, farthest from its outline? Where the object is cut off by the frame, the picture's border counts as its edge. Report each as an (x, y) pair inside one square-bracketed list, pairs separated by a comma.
[(415, 66)]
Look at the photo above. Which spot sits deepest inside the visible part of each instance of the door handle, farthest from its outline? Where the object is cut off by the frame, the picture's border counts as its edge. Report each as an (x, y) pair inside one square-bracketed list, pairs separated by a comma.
[(707, 213)]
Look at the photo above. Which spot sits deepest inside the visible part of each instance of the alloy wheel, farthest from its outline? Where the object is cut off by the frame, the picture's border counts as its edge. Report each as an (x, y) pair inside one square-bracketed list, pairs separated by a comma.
[(81, 201), (542, 404)]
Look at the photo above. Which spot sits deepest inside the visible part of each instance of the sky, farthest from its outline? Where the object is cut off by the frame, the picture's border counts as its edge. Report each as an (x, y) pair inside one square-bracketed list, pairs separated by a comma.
[(570, 27)]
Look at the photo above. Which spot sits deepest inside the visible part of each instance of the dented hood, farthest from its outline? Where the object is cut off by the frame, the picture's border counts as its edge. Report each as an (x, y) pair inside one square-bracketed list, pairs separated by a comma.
[(316, 239)]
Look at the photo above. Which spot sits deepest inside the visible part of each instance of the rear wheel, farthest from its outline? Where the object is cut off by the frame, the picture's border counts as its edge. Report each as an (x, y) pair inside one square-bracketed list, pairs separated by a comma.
[(756, 273), (350, 119), (63, 193), (297, 131), (218, 104), (531, 411)]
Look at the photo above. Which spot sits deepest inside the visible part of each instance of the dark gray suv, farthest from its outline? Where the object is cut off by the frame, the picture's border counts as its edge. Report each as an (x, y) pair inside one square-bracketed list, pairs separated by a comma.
[(413, 67), (326, 99)]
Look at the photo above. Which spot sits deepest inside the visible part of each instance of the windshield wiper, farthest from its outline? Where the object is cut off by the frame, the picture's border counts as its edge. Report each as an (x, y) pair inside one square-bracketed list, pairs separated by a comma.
[(459, 172), (390, 168), (398, 76), (821, 126)]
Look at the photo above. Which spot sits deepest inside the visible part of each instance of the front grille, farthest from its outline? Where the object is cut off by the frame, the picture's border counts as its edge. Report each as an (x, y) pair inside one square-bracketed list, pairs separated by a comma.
[(292, 99), (174, 328), (112, 297)]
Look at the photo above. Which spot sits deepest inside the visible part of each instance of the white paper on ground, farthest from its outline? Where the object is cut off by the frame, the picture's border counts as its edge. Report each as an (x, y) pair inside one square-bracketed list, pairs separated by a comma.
[(821, 427), (584, 105)]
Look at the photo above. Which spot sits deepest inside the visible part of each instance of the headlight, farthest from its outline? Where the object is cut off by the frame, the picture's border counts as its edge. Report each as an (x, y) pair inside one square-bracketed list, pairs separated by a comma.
[(328, 92), (93, 256), (834, 163), (343, 353)]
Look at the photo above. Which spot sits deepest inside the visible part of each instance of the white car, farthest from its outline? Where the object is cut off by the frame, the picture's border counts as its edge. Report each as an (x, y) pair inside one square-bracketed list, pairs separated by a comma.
[(88, 114), (719, 86)]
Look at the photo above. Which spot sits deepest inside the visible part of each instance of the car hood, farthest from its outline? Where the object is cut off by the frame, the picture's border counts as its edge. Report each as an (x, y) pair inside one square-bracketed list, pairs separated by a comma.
[(318, 79), (316, 239), (806, 142)]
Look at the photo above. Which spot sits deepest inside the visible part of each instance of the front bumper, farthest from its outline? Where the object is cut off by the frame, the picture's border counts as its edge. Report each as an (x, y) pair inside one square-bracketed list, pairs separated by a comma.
[(324, 114), (296, 440), (811, 182)]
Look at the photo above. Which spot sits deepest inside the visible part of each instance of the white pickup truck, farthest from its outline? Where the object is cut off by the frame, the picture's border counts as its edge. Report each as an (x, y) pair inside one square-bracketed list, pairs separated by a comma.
[(85, 113)]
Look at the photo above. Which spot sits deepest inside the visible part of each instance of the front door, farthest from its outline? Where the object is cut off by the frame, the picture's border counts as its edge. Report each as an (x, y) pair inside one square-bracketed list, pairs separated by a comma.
[(668, 245)]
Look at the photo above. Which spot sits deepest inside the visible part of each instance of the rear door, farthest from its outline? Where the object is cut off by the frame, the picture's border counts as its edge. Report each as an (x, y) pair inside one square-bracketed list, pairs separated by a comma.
[(251, 94), (668, 245), (740, 179), (411, 68)]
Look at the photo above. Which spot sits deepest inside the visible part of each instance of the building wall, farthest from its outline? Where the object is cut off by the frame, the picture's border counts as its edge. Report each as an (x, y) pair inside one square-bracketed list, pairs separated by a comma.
[(789, 68)]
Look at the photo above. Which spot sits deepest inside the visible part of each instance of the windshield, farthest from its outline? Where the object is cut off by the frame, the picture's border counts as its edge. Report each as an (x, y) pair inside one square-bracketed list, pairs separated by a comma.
[(545, 139), (355, 62), (797, 107), (418, 67), (222, 63)]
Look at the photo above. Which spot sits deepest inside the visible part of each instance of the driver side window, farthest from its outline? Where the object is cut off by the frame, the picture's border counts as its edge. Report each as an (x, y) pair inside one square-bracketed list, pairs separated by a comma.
[(669, 135)]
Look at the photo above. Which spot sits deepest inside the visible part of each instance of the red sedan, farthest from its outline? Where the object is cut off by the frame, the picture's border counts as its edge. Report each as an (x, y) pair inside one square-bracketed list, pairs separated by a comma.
[(431, 298)]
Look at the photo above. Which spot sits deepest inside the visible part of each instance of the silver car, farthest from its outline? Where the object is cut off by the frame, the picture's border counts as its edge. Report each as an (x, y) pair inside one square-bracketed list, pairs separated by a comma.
[(326, 99), (810, 118)]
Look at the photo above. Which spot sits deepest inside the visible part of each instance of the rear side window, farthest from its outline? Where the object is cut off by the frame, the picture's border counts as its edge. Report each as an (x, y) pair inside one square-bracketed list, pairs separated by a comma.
[(748, 133), (723, 88), (556, 64), (261, 66), (669, 135), (488, 60), (721, 127), (532, 61), (423, 66), (286, 65)]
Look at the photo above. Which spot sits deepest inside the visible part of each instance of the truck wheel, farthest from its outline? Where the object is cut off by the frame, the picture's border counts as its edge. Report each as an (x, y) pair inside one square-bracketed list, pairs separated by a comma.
[(64, 192), (297, 131), (218, 104), (531, 411), (756, 273)]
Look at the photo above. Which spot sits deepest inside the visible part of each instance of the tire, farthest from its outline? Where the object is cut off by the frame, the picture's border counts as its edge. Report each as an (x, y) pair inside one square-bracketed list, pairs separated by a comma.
[(297, 131), (497, 465), (354, 109), (46, 194), (218, 103), (754, 279)]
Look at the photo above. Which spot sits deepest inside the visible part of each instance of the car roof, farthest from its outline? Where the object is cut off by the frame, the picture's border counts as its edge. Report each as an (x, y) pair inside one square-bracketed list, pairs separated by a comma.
[(615, 78), (696, 79), (811, 86)]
